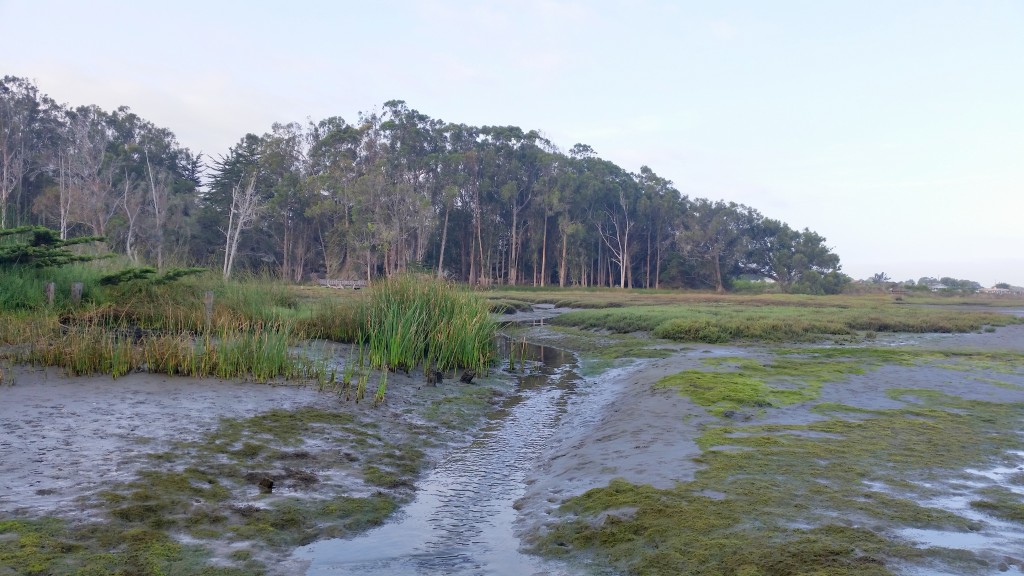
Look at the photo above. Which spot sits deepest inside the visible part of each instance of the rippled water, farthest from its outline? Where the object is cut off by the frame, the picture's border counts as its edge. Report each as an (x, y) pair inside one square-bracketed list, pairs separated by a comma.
[(461, 520)]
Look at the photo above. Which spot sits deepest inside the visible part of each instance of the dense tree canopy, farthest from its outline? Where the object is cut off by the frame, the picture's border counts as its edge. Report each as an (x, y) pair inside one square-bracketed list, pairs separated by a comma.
[(392, 191)]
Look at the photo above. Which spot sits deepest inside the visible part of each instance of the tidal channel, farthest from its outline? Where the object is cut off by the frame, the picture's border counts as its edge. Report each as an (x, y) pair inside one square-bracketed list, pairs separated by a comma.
[(460, 522)]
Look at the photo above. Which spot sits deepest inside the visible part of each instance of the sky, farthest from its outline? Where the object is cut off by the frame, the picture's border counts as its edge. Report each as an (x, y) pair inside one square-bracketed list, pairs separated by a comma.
[(894, 128)]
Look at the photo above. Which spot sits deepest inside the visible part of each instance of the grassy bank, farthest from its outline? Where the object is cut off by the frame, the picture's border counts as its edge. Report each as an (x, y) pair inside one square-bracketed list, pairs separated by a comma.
[(615, 297), (783, 321), (251, 331)]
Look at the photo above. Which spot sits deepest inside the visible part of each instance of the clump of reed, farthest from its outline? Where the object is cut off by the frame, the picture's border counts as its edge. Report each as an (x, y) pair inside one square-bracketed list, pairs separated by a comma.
[(261, 354), (420, 321), (140, 325)]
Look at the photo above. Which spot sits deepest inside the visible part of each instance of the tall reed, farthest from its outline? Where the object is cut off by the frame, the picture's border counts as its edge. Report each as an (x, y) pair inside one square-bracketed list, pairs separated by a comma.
[(413, 321)]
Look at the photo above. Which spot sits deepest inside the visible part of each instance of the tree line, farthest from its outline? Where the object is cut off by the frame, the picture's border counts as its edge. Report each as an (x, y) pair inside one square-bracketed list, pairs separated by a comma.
[(393, 191)]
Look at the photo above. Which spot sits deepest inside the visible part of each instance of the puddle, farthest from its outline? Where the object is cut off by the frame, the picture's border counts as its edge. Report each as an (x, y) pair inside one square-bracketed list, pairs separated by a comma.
[(1003, 475), (461, 521), (950, 539)]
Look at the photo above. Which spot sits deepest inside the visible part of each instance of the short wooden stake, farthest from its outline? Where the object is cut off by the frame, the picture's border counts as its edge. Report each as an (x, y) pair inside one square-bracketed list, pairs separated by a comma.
[(51, 292), (76, 293)]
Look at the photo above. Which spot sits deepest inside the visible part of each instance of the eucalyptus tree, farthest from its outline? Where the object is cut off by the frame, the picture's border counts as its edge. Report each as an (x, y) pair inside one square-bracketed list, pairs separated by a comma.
[(93, 165), (617, 197), (553, 197), (157, 180), (413, 154), (30, 133), (797, 261), (235, 196), (571, 204), (266, 179), (283, 164), (333, 155), (713, 237), (514, 162), (464, 170), (660, 209), (19, 107)]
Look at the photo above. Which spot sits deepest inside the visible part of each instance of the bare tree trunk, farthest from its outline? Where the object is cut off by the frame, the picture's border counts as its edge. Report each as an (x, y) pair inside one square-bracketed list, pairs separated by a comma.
[(512, 256), (480, 240), (65, 197), (647, 281), (159, 199), (444, 240), (657, 263), (132, 207), (472, 259), (286, 251), (717, 269), (544, 254), (245, 205), (563, 266)]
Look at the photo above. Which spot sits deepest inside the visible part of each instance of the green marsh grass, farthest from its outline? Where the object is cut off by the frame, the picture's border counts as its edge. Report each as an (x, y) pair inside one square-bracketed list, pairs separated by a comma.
[(717, 323), (261, 354), (419, 321), (382, 388), (364, 377), (161, 327)]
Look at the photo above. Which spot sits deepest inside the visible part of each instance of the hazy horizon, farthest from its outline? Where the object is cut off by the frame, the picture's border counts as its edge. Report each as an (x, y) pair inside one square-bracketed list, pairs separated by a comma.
[(894, 129)]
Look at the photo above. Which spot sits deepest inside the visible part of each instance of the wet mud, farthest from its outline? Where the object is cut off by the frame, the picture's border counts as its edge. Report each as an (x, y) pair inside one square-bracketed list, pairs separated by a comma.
[(554, 437)]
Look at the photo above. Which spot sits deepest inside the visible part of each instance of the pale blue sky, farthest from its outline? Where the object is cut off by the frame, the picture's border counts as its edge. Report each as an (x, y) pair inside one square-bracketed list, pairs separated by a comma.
[(895, 128)]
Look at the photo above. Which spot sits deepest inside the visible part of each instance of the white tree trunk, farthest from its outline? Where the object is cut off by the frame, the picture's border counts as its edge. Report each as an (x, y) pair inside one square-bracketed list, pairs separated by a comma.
[(245, 206)]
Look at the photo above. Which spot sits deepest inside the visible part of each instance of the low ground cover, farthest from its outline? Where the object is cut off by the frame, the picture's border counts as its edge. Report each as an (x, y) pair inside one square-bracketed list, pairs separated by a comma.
[(830, 496), (718, 323)]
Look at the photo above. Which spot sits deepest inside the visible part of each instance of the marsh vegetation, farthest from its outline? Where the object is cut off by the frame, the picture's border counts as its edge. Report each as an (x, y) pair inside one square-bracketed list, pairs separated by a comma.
[(831, 493), (253, 330)]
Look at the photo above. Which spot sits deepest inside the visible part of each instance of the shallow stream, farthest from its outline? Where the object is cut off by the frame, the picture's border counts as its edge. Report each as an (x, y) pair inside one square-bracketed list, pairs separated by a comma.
[(461, 521)]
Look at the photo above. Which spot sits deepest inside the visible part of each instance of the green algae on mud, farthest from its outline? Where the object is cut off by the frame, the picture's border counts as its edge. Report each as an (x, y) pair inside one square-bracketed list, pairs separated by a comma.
[(207, 490), (598, 352), (460, 411), (336, 472), (748, 383), (52, 547), (828, 496), (796, 375)]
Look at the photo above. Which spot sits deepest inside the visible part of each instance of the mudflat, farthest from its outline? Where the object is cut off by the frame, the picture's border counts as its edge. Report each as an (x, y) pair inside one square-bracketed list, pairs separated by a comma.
[(66, 442), (962, 515)]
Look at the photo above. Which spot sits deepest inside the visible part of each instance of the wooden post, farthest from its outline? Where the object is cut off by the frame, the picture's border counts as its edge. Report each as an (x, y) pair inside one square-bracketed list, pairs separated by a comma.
[(76, 292), (51, 292), (208, 308)]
